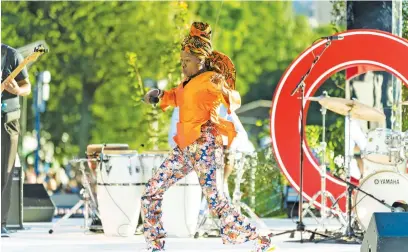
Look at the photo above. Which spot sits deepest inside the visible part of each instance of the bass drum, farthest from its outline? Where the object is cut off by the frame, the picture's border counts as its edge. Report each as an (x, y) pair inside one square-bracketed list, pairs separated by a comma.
[(389, 186)]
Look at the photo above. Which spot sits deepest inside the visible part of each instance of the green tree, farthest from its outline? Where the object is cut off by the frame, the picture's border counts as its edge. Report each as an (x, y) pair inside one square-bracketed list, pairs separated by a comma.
[(405, 88), (262, 38), (92, 97)]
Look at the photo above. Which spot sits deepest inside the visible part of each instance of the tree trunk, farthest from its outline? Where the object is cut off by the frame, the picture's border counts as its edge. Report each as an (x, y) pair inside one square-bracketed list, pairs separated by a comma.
[(86, 117)]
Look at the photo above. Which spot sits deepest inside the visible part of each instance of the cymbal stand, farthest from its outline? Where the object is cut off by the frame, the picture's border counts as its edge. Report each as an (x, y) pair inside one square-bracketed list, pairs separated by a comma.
[(323, 193), (349, 234)]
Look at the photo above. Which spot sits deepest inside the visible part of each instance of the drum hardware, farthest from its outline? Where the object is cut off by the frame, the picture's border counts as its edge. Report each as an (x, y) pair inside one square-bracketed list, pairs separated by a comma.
[(88, 200), (387, 185), (323, 193), (395, 207), (300, 88), (384, 147), (352, 187), (350, 109)]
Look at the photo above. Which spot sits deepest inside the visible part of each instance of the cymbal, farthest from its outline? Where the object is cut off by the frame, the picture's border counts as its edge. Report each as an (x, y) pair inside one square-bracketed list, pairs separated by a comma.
[(343, 106)]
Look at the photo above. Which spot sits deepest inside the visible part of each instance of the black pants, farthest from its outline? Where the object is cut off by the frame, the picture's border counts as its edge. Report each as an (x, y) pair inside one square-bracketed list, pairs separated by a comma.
[(9, 142)]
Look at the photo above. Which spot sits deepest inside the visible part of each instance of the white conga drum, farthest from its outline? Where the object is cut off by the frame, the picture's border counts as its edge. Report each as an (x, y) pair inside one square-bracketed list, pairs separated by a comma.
[(181, 202), (181, 206), (150, 161), (120, 186)]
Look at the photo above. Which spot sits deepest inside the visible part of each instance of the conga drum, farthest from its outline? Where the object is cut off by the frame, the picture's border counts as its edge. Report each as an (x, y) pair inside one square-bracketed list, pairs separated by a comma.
[(181, 202), (120, 187), (93, 151), (92, 155)]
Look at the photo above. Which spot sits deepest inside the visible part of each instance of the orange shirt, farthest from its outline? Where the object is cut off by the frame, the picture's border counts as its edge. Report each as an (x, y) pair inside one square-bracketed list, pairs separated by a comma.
[(198, 102)]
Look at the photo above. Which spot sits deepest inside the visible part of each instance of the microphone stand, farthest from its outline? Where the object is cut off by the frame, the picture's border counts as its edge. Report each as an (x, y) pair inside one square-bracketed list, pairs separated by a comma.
[(300, 227), (354, 187), (348, 236)]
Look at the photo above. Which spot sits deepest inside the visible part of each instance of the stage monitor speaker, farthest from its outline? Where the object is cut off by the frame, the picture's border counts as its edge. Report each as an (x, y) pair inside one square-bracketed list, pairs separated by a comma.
[(15, 215), (38, 206), (387, 232)]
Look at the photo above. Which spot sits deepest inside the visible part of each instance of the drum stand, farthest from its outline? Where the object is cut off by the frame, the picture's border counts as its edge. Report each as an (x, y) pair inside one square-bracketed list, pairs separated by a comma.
[(323, 192), (88, 201), (349, 235)]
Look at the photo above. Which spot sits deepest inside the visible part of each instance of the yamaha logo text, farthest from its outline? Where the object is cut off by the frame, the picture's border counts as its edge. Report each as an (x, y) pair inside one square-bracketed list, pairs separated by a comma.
[(386, 181)]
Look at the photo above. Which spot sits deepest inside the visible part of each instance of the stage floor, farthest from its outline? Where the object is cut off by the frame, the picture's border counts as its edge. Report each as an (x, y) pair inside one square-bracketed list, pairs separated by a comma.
[(71, 237)]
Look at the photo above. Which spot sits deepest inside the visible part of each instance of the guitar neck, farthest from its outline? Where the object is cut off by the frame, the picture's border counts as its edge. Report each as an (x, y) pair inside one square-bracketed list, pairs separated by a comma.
[(32, 57), (15, 73)]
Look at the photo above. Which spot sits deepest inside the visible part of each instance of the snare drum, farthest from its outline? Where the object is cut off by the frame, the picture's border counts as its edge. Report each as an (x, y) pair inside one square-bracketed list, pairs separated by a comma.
[(384, 147), (371, 167), (384, 185), (119, 188)]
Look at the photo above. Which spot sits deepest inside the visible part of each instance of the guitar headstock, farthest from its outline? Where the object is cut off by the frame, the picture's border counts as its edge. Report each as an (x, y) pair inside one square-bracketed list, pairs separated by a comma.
[(41, 49), (38, 50)]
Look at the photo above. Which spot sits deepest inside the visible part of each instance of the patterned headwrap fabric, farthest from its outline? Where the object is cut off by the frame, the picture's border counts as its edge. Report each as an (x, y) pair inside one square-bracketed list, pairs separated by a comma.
[(198, 42)]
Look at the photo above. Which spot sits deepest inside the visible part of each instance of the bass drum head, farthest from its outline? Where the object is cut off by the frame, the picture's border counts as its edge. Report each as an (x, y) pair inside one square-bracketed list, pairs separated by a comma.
[(384, 185)]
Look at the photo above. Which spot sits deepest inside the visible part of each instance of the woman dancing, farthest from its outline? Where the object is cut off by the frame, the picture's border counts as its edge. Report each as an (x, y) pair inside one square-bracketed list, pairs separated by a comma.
[(210, 81)]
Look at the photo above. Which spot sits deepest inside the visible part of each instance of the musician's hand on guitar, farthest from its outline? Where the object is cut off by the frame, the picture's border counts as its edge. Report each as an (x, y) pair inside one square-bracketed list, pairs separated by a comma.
[(12, 87)]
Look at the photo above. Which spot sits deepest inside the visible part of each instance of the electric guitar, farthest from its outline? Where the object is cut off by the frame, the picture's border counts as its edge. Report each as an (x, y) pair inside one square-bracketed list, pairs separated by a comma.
[(38, 50)]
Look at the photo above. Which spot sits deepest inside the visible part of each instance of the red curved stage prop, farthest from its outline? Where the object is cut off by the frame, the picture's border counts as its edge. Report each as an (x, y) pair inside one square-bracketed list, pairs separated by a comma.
[(360, 49)]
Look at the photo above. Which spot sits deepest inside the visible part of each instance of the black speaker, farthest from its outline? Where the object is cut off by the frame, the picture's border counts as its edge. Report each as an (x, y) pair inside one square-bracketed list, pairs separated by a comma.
[(387, 232), (38, 206), (15, 215)]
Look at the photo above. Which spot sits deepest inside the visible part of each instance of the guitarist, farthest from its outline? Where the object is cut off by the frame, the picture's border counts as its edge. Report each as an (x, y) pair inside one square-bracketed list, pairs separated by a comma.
[(10, 127)]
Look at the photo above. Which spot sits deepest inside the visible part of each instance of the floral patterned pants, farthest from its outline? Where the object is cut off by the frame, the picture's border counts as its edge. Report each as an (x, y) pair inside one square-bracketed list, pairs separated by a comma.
[(205, 156)]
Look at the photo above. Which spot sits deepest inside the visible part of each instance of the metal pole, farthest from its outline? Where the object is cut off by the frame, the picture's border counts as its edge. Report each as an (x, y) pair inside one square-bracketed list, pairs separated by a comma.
[(37, 100), (323, 146)]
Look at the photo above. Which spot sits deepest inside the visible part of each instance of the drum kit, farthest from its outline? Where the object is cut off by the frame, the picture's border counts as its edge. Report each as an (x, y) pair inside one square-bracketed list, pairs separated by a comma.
[(382, 187), (120, 175), (113, 185)]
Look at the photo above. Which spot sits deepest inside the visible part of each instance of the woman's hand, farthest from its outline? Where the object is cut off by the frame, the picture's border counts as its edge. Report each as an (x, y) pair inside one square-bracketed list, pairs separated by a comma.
[(151, 94)]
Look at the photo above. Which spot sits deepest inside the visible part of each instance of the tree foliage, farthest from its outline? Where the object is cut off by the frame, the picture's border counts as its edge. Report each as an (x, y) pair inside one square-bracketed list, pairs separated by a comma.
[(93, 98), (405, 88), (102, 52)]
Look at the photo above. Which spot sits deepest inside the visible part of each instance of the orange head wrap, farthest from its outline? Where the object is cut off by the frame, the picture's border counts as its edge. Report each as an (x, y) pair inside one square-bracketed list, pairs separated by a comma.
[(198, 42)]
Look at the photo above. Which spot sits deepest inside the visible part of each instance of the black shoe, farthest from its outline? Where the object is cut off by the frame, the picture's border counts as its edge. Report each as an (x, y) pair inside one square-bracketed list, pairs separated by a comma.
[(4, 232), (96, 226)]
